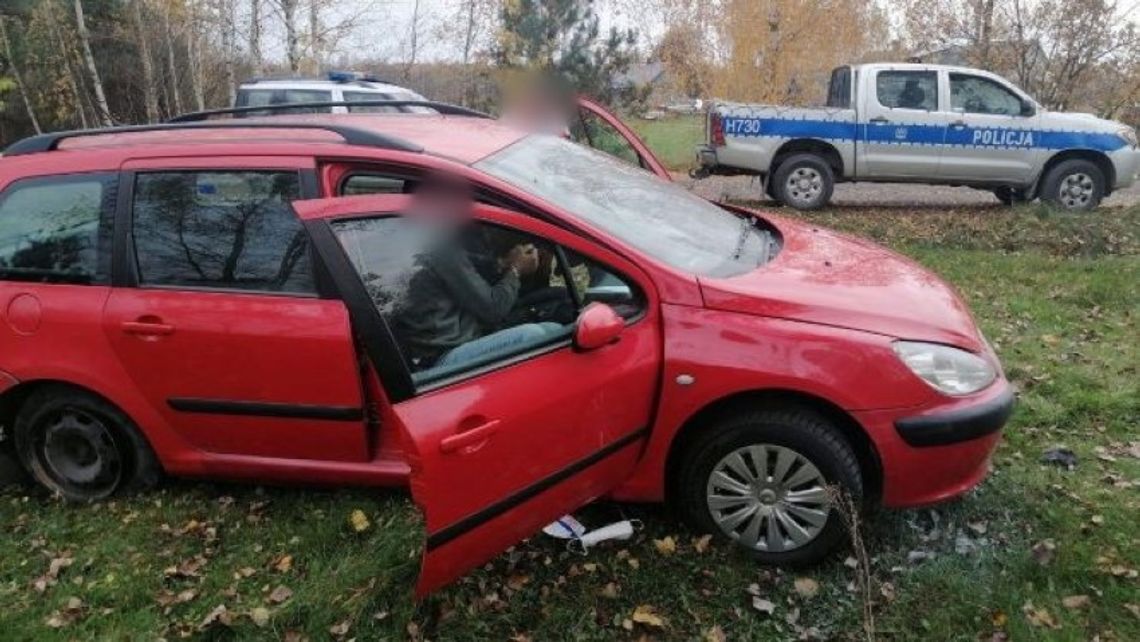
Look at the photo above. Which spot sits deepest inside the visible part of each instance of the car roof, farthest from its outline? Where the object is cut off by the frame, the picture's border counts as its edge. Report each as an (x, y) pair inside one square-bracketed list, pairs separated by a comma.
[(461, 138)]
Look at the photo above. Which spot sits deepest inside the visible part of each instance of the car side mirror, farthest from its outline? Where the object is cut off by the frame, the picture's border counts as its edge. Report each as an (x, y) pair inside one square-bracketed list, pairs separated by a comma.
[(1027, 108), (598, 326)]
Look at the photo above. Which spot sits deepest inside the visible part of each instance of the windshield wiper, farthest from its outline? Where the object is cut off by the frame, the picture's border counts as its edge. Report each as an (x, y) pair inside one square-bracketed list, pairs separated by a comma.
[(746, 224)]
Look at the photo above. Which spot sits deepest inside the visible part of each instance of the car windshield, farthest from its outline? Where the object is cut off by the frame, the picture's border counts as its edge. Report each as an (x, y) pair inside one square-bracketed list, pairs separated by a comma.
[(657, 217)]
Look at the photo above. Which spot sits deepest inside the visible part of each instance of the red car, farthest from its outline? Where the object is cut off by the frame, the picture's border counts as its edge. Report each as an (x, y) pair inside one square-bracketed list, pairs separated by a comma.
[(256, 299)]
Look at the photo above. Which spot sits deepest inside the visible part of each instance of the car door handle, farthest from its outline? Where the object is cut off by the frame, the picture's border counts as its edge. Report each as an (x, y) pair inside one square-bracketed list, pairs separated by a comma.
[(469, 438), (879, 120), (958, 124), (147, 327)]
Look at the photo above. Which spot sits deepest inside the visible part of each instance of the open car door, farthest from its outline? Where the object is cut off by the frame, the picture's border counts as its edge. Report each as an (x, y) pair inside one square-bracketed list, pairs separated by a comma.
[(504, 443), (597, 127)]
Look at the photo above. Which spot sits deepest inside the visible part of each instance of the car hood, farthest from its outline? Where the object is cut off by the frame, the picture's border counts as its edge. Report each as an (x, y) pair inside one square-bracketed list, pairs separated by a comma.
[(822, 276), (1078, 121)]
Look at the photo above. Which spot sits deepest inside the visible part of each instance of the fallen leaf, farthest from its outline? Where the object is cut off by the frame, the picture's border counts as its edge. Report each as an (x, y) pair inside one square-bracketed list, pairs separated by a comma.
[(1097, 520), (283, 564), (610, 590), (665, 546), (220, 615), (339, 630), (260, 616), (701, 544), (1134, 609), (1075, 601), (647, 615), (1043, 552), (999, 618), (806, 587), (359, 521), (887, 590), (280, 594), (1038, 617), (715, 634), (766, 607)]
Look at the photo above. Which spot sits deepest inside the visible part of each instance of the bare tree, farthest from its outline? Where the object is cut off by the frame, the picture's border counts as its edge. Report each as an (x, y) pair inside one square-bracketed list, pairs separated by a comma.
[(150, 95), (287, 12), (255, 35), (413, 44), (171, 61), (17, 75), (103, 110)]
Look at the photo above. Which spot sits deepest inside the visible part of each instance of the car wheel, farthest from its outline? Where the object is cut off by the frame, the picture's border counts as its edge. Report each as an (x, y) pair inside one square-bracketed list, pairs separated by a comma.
[(1010, 195), (803, 181), (763, 480), (81, 447), (1075, 184)]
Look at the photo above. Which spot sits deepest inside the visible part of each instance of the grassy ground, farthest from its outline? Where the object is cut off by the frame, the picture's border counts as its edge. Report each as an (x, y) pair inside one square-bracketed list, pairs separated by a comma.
[(1037, 552), (672, 138)]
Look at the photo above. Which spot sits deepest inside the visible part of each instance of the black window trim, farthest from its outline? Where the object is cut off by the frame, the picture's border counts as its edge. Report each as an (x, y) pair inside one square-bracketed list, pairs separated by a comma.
[(124, 265), (104, 267), (376, 334)]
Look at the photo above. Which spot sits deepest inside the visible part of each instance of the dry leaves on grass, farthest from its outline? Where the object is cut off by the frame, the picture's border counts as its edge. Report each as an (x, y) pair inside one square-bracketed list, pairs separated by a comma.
[(806, 587), (1044, 552), (71, 612), (666, 545), (648, 616), (1038, 617), (358, 521), (280, 594), (1076, 601)]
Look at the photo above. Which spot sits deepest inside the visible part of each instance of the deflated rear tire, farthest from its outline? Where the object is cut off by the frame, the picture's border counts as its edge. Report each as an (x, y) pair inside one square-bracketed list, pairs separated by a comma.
[(80, 447), (765, 479), (803, 181), (1077, 185)]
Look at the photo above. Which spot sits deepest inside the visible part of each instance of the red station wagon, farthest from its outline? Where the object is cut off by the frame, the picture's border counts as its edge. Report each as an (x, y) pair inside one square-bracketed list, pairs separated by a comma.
[(255, 299)]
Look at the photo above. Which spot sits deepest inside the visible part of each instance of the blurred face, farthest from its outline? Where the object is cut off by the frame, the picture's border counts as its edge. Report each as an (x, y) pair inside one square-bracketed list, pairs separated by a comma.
[(443, 202)]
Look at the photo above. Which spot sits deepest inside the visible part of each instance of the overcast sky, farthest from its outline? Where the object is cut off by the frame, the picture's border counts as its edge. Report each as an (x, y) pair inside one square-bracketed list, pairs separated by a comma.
[(384, 28)]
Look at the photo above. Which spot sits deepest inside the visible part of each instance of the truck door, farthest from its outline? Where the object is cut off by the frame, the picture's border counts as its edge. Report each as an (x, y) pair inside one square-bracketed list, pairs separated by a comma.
[(901, 129), (990, 136)]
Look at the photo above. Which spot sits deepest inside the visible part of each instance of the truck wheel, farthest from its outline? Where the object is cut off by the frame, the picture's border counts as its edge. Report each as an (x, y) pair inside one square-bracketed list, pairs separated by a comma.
[(1075, 184), (80, 447), (803, 181), (1010, 195), (761, 480)]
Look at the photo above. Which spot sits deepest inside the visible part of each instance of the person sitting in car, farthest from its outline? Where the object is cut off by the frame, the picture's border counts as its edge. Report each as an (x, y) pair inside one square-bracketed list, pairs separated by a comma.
[(455, 309)]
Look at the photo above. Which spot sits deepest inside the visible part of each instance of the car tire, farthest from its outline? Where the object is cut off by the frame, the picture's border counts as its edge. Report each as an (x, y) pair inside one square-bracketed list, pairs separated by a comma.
[(80, 447), (1010, 196), (1076, 185), (819, 458), (804, 182)]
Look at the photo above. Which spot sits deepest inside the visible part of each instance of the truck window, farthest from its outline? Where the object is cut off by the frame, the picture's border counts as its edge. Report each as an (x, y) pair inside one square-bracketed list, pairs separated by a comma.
[(908, 89), (839, 90), (977, 95)]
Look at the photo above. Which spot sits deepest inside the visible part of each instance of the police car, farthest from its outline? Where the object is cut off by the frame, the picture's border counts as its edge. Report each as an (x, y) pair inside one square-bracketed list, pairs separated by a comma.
[(922, 124), (337, 87)]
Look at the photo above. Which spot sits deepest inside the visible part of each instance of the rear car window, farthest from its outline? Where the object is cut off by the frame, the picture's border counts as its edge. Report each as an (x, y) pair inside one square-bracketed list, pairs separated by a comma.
[(228, 230), (280, 96), (57, 229), (908, 89)]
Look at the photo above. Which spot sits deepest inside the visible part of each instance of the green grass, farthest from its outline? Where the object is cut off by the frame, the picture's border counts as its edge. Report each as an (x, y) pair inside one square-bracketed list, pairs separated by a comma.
[(1056, 294), (672, 138)]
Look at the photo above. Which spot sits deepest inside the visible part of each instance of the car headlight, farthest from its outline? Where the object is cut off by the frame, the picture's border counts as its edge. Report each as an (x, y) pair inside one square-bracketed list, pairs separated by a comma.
[(1129, 134), (949, 370)]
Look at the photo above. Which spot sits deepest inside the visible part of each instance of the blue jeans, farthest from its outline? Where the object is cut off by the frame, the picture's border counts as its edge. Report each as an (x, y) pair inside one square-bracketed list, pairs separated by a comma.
[(503, 341)]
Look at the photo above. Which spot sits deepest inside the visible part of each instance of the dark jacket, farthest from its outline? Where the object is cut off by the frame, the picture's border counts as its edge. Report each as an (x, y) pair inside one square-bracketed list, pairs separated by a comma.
[(449, 303)]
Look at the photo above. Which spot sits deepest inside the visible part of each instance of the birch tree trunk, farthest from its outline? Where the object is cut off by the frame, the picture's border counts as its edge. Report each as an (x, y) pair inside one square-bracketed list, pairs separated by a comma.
[(96, 83), (316, 47), (195, 63), (18, 76), (150, 93), (171, 63), (255, 36)]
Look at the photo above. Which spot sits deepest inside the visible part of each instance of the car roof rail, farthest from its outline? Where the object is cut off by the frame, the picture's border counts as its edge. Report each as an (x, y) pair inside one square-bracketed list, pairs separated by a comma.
[(446, 109), (351, 135)]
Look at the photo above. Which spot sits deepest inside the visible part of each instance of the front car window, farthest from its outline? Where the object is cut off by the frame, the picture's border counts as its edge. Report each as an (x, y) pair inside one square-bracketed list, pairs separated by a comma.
[(227, 230), (908, 89), (977, 95), (453, 303), (661, 219), (50, 229)]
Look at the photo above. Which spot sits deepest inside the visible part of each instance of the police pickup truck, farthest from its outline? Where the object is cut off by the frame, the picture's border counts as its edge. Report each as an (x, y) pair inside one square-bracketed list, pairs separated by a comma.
[(921, 124)]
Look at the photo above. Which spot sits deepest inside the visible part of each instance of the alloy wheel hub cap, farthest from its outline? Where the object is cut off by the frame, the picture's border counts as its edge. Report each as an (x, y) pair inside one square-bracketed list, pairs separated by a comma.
[(768, 498)]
